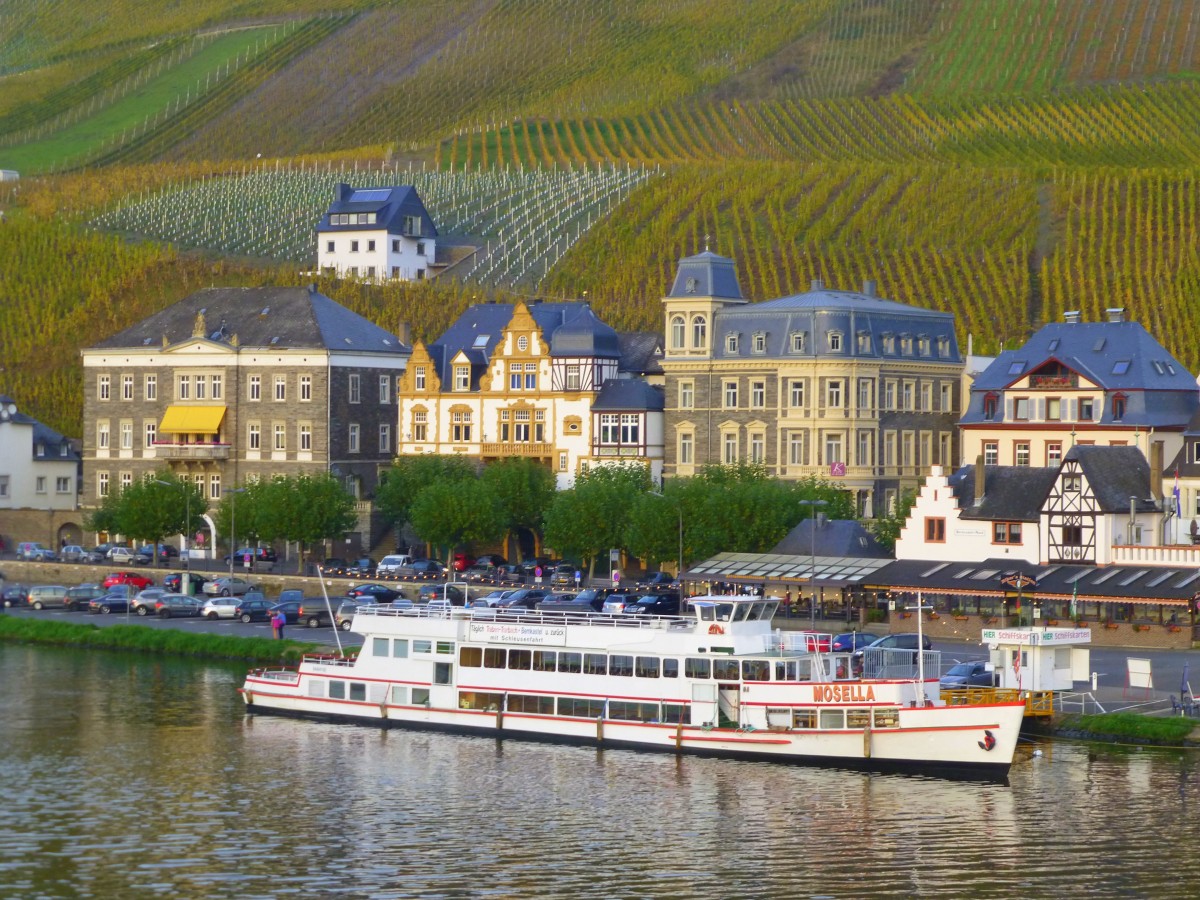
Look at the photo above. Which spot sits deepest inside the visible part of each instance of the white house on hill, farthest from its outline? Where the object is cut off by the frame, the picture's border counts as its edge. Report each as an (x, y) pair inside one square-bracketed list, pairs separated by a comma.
[(376, 234)]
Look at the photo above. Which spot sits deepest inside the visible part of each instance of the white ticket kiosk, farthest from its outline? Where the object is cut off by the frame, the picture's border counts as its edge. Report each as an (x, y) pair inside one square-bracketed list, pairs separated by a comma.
[(1039, 659)]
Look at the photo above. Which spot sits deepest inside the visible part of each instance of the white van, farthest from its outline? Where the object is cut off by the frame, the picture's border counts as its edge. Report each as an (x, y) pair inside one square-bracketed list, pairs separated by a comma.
[(391, 565)]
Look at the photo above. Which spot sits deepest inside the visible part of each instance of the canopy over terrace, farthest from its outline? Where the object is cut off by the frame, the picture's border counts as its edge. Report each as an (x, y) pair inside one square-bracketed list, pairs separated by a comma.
[(782, 572), (1099, 593)]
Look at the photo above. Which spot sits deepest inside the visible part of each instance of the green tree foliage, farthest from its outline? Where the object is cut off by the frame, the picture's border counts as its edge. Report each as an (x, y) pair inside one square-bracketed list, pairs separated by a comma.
[(886, 528), (591, 518), (408, 475), (307, 509), (450, 513), (149, 511), (523, 489)]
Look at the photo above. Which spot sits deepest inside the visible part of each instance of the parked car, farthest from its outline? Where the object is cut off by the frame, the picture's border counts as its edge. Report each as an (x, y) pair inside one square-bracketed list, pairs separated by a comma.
[(290, 610), (890, 642), (490, 559), (343, 617), (653, 605), (968, 674), (227, 586), (121, 555), (14, 594), (363, 567), (145, 554), (333, 565), (392, 564), (99, 553), (44, 596), (114, 602), (478, 573), (143, 601), (220, 607), (494, 598), (73, 553), (373, 593), (431, 592), (170, 605), (657, 579), (851, 641), (31, 551), (315, 612), (616, 603), (262, 559), (564, 575), (174, 582), (78, 598), (462, 561), (423, 567), (526, 598), (254, 609), (139, 581)]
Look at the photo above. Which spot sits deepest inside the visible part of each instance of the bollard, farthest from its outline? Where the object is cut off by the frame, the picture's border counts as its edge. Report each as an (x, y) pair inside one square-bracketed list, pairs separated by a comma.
[(1095, 680)]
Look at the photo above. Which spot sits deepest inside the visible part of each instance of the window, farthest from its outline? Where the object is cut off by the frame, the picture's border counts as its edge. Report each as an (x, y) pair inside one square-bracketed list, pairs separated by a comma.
[(354, 246), (1053, 409), (686, 449), (699, 332), (420, 425), (214, 487), (1021, 453), (254, 387), (370, 246), (514, 376), (864, 394), (419, 378), (864, 448), (254, 436), (835, 341), (797, 341), (352, 438), (1072, 535), (103, 387), (927, 397), (151, 433), (62, 484), (461, 426), (531, 376), (729, 448), (991, 453), (1053, 453), (218, 387), (1121, 367), (833, 448), (935, 530), (280, 387), (796, 394), (280, 436), (412, 225), (385, 438), (1021, 408), (102, 435), (562, 461), (329, 247), (833, 394), (573, 381), (923, 344), (126, 387), (395, 245), (126, 479), (730, 393), (731, 343), (462, 378), (305, 388), (796, 448), (101, 484), (947, 398), (759, 344), (757, 447), (126, 435), (385, 389), (758, 394), (1006, 532), (305, 436), (906, 395), (631, 427), (889, 395), (1118, 407), (184, 392), (943, 346), (889, 343), (1072, 483), (151, 387), (1086, 407), (420, 248), (40, 484), (678, 328), (864, 342), (355, 388)]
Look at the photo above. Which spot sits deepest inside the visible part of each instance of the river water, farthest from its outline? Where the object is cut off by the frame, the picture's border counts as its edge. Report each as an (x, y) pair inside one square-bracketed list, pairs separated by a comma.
[(132, 777)]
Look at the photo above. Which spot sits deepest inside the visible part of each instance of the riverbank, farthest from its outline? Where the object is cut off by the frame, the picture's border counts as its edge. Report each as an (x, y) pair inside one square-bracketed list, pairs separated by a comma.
[(1135, 729), (169, 642)]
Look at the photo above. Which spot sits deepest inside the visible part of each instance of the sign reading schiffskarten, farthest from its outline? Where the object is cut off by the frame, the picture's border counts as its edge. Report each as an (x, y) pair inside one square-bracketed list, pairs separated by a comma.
[(1036, 636)]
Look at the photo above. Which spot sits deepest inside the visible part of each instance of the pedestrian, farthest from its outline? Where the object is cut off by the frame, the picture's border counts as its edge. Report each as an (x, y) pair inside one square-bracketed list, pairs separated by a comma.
[(277, 623)]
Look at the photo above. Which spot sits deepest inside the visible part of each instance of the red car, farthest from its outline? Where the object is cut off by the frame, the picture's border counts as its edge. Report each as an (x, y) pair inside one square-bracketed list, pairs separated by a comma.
[(463, 561), (139, 581)]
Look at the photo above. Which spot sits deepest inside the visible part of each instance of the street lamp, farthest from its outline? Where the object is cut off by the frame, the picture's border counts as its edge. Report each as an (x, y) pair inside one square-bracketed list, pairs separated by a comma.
[(812, 575), (233, 526), (184, 550), (679, 559)]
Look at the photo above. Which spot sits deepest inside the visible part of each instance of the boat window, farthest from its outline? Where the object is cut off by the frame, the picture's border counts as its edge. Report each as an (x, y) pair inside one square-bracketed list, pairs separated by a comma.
[(520, 659), (595, 664), (833, 718), (379, 647), (724, 611), (676, 712), (670, 668), (531, 703), (620, 665), (725, 669), (337, 690), (785, 670), (422, 646), (400, 648), (804, 718), (445, 647), (842, 669), (760, 611), (769, 609), (400, 694), (756, 670), (316, 687), (358, 690), (858, 718), (887, 718), (647, 667), (742, 612), (420, 696), (697, 668), (494, 658), (804, 669), (570, 662), (707, 613), (470, 657), (632, 712), (544, 660), (578, 706), (778, 717), (479, 700), (441, 673)]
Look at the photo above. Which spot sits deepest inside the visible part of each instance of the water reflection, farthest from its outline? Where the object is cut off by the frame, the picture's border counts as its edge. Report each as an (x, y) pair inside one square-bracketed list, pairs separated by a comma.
[(128, 776)]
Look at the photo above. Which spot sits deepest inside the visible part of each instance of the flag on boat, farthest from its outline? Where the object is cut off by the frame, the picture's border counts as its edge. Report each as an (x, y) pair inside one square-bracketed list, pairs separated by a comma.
[(1175, 494)]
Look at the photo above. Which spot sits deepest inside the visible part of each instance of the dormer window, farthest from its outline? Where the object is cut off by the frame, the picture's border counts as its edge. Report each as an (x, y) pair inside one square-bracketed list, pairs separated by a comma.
[(731, 343), (864, 342), (41, 450), (991, 405), (797, 341), (412, 225), (759, 344), (1118, 407), (690, 285), (835, 341), (889, 343), (923, 344), (462, 378), (906, 345), (943, 346)]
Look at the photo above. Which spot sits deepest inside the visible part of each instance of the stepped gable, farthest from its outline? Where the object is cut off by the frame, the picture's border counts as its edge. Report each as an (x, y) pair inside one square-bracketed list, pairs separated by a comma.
[(277, 317), (1011, 493), (1115, 474), (391, 205)]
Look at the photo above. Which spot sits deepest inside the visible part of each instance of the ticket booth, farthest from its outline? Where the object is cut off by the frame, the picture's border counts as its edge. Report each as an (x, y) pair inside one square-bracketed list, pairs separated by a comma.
[(1039, 659)]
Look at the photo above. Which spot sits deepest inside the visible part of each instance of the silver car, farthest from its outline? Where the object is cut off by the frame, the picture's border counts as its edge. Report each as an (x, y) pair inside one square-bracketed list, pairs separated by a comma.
[(220, 607), (228, 587), (143, 602)]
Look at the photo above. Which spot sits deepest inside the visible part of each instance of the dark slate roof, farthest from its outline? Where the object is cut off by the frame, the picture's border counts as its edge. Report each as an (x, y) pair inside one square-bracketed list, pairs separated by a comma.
[(1124, 583), (1115, 474), (390, 205), (1185, 463), (628, 394), (1011, 493), (1117, 356), (277, 317), (834, 537), (52, 440), (706, 275), (641, 352), (585, 335)]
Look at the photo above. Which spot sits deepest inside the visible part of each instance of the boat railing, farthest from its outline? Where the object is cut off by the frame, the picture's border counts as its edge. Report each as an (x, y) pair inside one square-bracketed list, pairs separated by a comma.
[(326, 659), (899, 665), (288, 675), (531, 617)]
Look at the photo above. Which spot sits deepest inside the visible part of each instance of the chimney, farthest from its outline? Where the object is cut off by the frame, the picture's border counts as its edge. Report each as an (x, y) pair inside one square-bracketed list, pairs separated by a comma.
[(1115, 313), (817, 285), (1156, 469), (404, 332), (1072, 317), (980, 480), (869, 287)]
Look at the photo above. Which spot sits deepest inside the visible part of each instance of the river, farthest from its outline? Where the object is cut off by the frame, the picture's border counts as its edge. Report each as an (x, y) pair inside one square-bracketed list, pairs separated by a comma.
[(127, 776)]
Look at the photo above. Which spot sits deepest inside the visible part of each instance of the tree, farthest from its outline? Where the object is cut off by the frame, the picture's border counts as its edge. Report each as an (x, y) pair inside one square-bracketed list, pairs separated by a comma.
[(400, 483), (887, 528), (523, 490), (150, 510), (450, 513), (308, 509), (593, 516)]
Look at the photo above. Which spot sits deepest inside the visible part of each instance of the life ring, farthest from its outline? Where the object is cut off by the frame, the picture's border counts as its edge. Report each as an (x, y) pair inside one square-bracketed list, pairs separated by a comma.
[(715, 629)]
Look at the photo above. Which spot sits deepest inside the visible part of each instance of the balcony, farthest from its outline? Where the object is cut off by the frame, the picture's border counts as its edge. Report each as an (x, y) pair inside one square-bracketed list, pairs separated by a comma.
[(191, 451), (610, 450), (502, 449), (1067, 381), (1168, 555)]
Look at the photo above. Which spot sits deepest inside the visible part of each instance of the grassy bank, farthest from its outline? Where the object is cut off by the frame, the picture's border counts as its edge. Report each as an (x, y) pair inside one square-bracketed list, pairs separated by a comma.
[(164, 641), (1129, 728)]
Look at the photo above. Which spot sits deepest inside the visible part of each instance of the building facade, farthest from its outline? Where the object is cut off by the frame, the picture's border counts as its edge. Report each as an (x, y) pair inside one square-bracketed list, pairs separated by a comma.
[(376, 234), (39, 469), (236, 384), (833, 384), (515, 380)]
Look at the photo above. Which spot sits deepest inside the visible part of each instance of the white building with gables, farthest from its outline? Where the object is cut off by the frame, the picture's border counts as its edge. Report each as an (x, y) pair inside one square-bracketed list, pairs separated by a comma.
[(377, 234)]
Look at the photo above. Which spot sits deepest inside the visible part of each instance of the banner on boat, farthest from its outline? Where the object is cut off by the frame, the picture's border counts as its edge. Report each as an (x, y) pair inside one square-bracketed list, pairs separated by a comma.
[(516, 633)]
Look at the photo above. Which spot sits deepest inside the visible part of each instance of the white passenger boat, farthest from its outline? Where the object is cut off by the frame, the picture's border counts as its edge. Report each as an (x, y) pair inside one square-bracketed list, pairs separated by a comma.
[(719, 681)]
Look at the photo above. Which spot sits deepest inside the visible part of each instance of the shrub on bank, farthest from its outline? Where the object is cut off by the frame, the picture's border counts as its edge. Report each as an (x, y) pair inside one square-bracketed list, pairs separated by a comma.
[(167, 641), (1131, 727)]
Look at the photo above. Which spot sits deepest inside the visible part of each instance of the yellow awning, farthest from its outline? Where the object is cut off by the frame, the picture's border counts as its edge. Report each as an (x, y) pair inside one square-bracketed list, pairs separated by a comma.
[(192, 420)]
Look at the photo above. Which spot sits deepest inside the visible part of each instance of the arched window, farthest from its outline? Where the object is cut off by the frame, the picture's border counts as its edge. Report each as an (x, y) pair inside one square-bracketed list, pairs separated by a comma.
[(1118, 407), (990, 405), (699, 332), (678, 328)]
